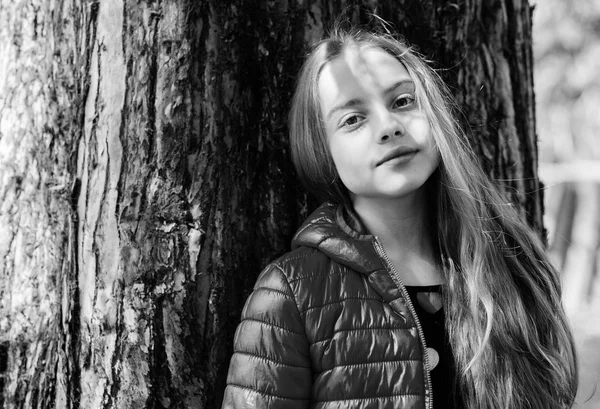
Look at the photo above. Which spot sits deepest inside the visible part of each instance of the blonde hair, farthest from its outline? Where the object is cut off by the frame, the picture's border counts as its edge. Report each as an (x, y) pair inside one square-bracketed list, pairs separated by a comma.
[(507, 328)]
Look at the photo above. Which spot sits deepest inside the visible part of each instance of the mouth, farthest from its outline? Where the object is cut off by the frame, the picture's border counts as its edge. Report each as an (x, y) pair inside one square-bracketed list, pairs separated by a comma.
[(401, 154)]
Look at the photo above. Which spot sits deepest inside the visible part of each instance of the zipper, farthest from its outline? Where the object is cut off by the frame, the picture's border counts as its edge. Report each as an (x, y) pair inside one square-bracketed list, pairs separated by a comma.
[(396, 277)]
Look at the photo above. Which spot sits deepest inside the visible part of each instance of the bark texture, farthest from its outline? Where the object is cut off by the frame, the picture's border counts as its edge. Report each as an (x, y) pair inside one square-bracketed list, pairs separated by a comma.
[(146, 179), (40, 95)]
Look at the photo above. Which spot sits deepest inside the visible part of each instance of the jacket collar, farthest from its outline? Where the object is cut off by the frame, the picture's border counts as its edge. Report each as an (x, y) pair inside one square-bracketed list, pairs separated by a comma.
[(337, 231)]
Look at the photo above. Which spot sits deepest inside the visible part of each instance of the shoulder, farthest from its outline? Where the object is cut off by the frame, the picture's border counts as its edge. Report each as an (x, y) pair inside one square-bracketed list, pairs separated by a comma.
[(285, 273), (285, 288), (300, 264), (311, 278)]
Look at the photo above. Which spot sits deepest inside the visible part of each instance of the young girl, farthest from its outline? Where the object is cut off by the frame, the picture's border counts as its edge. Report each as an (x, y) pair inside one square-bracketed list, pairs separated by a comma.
[(415, 285)]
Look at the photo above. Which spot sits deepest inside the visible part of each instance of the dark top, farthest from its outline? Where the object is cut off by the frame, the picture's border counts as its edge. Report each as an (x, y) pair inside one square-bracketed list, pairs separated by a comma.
[(427, 301)]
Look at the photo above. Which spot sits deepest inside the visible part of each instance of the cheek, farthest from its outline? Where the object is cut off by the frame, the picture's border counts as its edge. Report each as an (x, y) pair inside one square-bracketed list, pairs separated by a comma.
[(346, 164), (341, 159), (433, 156), (436, 159), (338, 151), (421, 131), (424, 137)]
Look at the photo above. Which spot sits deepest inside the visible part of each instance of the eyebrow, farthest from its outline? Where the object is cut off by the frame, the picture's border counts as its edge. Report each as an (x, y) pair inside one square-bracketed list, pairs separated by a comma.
[(399, 84), (348, 104), (356, 101)]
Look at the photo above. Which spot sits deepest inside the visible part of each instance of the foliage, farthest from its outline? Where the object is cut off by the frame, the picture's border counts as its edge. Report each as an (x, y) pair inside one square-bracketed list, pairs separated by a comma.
[(567, 61)]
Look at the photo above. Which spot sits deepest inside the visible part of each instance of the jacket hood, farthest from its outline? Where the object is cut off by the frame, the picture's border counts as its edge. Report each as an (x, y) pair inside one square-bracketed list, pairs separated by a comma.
[(338, 233)]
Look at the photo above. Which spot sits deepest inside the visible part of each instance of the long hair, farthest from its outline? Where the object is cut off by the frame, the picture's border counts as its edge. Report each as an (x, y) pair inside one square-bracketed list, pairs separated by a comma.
[(508, 331)]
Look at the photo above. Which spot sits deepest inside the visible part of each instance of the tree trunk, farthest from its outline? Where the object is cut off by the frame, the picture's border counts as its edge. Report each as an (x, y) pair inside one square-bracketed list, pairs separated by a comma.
[(146, 177), (41, 90)]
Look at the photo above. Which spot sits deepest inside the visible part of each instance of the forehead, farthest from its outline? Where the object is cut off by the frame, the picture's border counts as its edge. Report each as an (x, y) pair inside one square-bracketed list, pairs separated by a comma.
[(357, 72), (369, 61)]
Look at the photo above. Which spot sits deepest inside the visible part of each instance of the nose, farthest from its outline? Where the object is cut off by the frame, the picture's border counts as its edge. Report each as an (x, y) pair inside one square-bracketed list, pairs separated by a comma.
[(387, 135), (391, 128)]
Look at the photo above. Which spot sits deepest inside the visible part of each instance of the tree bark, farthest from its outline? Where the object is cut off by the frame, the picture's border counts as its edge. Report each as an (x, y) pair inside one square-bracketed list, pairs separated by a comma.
[(146, 177), (40, 95)]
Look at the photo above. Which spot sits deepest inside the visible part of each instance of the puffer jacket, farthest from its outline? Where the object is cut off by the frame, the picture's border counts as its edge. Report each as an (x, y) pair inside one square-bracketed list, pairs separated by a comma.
[(329, 325)]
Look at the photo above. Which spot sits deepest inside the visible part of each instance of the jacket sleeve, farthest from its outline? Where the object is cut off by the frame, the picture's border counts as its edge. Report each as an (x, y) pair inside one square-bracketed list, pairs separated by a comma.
[(270, 366)]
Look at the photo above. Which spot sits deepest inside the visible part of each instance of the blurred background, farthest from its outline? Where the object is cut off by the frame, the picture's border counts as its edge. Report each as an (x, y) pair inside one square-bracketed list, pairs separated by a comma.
[(567, 84)]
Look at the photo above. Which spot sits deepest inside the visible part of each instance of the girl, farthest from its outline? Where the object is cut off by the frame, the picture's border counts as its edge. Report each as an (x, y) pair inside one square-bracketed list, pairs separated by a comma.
[(415, 285)]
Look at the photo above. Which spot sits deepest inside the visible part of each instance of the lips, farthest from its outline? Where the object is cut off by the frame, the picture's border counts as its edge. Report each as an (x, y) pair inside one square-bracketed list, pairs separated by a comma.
[(400, 151)]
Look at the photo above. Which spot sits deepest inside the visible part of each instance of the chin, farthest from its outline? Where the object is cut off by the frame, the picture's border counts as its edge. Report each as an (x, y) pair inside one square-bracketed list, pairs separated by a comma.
[(406, 190)]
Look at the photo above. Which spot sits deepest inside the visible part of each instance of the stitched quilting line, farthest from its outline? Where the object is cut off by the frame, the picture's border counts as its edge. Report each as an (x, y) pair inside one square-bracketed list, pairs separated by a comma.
[(361, 329), (286, 259), (267, 394), (266, 358), (269, 289), (272, 395), (325, 238), (385, 361), (272, 325), (341, 301), (341, 271)]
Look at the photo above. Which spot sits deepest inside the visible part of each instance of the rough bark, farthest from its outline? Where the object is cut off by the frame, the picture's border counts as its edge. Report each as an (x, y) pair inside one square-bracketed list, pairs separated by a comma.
[(490, 51), (146, 176), (40, 95)]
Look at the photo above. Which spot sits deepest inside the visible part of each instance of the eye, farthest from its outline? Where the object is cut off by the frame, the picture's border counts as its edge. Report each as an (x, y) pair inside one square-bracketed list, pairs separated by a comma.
[(404, 101), (351, 121)]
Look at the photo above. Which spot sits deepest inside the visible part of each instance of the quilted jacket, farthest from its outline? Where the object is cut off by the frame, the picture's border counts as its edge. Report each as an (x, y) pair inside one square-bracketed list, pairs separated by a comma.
[(329, 325)]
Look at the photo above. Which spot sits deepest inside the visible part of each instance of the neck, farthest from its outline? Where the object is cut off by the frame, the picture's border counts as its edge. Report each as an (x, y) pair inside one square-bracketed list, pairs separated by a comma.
[(400, 224)]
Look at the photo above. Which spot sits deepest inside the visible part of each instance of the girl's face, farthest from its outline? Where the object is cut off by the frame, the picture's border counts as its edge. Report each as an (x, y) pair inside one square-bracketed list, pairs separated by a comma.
[(379, 139)]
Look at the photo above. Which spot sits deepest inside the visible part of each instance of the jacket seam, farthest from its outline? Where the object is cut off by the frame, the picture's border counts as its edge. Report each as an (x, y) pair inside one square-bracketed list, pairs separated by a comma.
[(327, 273), (272, 325), (386, 361), (266, 358), (284, 259), (263, 288), (361, 329), (325, 238), (235, 385), (339, 302)]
